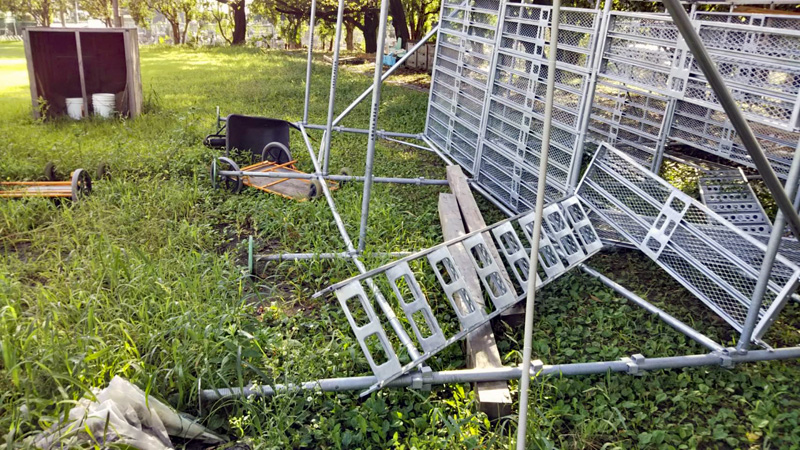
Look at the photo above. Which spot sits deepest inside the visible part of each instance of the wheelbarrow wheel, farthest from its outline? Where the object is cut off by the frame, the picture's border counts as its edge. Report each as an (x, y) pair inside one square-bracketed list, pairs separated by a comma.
[(346, 171), (314, 189), (232, 183), (276, 152), (50, 173), (81, 184), (102, 171)]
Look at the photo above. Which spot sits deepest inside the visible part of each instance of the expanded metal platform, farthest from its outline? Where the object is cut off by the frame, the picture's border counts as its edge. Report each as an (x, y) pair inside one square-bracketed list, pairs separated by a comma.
[(710, 256)]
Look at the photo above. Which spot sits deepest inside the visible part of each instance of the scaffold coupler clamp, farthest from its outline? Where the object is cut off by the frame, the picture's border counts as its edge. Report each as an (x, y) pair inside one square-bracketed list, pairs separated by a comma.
[(422, 379), (634, 364)]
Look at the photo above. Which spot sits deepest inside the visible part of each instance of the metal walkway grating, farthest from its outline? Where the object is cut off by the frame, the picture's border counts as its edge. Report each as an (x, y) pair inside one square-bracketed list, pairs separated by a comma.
[(711, 257), (728, 194), (420, 282)]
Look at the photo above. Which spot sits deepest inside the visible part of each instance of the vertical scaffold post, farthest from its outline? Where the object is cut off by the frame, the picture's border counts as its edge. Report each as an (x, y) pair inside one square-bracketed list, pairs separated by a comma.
[(773, 245), (373, 126), (525, 379), (308, 63), (325, 150)]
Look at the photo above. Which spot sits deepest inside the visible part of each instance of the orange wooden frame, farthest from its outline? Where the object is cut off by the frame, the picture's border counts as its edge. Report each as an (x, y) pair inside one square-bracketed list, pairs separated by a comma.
[(269, 166)]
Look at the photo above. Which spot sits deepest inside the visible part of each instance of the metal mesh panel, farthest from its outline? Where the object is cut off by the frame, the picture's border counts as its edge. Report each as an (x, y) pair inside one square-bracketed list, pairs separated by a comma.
[(464, 52), (511, 139), (769, 109), (753, 41), (761, 67), (643, 26), (710, 130), (644, 50), (763, 20), (510, 181), (770, 77), (708, 255), (629, 118)]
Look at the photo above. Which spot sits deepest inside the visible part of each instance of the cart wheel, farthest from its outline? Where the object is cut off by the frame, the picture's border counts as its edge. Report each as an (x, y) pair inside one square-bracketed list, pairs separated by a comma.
[(50, 171), (102, 171), (346, 171), (314, 189), (276, 152), (81, 184), (214, 181), (232, 183)]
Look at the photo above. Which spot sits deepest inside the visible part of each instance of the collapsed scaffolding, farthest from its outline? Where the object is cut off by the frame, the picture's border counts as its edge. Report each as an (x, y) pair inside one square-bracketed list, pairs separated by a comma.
[(622, 86)]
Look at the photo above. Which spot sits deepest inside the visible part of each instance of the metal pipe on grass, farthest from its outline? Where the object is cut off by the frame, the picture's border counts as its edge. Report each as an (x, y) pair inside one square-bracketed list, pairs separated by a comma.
[(441, 155), (409, 144), (421, 181), (380, 133), (633, 365), (306, 256), (690, 332), (379, 298), (525, 379)]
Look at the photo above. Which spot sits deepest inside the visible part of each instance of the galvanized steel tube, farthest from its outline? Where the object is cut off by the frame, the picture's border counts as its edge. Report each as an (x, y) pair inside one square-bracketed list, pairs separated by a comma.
[(373, 126), (690, 332), (633, 365), (773, 245), (386, 75), (533, 263), (325, 150), (308, 63)]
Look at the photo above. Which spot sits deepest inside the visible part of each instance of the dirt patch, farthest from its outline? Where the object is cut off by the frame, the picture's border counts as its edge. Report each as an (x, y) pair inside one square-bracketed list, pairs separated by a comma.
[(22, 249), (418, 80)]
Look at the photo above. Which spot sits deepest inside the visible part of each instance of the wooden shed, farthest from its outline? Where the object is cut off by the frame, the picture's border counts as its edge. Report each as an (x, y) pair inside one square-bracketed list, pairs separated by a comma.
[(78, 62)]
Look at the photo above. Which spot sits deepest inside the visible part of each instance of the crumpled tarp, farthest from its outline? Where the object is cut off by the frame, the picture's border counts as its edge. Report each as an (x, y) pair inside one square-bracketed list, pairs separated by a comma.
[(122, 414)]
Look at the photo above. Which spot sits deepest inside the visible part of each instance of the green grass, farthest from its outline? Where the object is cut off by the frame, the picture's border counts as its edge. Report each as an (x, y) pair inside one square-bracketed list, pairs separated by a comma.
[(143, 280)]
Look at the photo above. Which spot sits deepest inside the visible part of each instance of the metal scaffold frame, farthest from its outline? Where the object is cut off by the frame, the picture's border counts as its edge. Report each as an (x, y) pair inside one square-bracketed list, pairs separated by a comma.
[(516, 92)]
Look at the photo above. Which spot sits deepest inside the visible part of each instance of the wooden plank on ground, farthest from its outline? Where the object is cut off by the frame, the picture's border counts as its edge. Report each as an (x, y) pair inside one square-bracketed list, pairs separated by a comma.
[(493, 397), (473, 220)]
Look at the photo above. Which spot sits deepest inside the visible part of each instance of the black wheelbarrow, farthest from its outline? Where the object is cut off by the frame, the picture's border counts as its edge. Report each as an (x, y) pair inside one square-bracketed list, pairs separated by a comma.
[(266, 141)]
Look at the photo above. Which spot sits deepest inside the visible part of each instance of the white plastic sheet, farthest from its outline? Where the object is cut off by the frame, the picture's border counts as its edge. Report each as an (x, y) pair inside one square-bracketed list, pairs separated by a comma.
[(122, 414)]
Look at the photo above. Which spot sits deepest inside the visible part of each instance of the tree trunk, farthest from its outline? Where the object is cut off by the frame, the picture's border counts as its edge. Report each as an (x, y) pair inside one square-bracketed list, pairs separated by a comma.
[(185, 27), (419, 27), (239, 23), (115, 9), (398, 12), (176, 31), (45, 13), (293, 34), (370, 30), (63, 16), (349, 29)]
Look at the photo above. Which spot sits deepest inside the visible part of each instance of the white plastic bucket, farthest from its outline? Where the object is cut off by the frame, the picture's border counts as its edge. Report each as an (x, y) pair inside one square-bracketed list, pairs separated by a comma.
[(75, 108), (104, 104)]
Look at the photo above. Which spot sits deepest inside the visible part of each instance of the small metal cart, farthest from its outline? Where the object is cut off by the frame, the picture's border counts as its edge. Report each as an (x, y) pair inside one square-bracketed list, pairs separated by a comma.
[(79, 186), (266, 140)]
